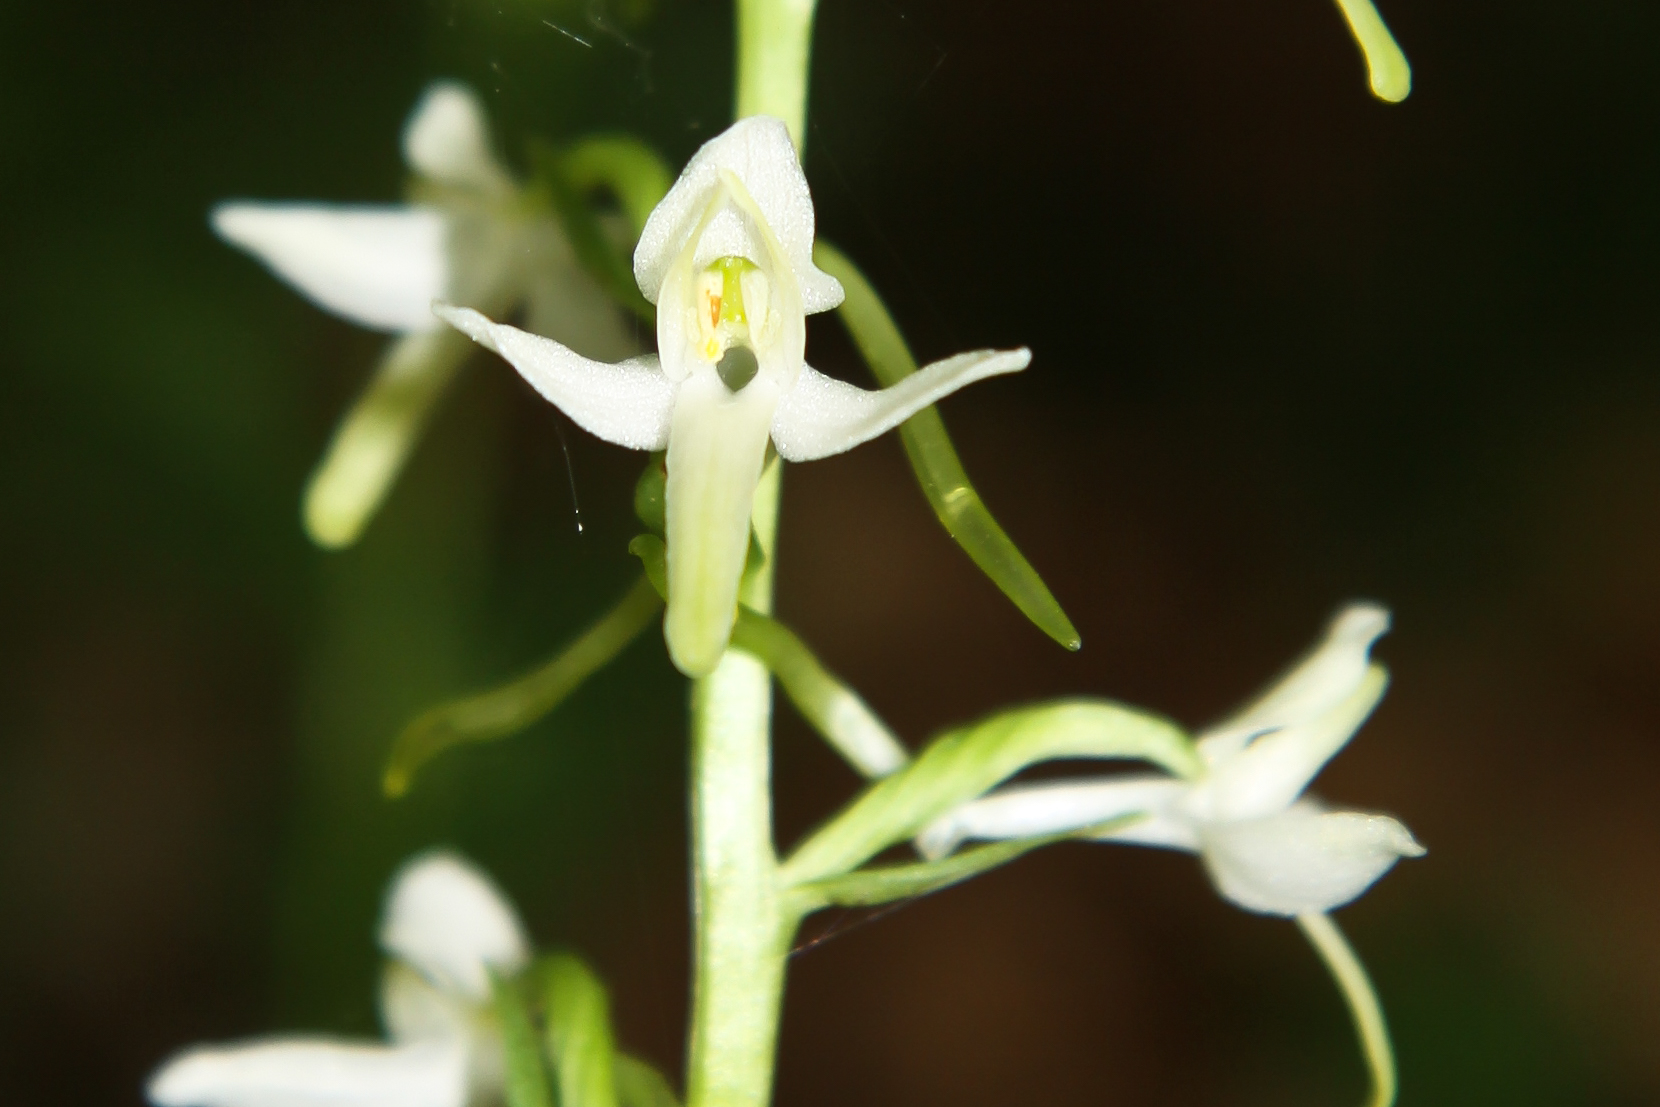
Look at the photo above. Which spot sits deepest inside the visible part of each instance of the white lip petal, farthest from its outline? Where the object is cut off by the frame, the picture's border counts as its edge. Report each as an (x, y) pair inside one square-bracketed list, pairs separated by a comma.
[(822, 416), (312, 1072), (380, 267), (1024, 810), (413, 1010), (629, 403), (758, 152), (1302, 860), (376, 435), (446, 919), (1315, 684), (1270, 773), (447, 139), (716, 450)]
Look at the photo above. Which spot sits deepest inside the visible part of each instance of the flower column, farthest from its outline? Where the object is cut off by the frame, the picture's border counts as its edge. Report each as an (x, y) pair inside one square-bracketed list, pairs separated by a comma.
[(742, 932)]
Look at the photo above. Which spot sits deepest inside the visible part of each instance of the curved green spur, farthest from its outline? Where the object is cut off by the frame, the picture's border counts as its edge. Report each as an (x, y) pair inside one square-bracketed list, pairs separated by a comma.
[(514, 706), (935, 461)]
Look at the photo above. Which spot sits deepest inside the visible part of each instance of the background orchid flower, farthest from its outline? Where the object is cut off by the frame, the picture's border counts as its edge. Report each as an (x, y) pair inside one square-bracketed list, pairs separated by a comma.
[(1267, 847), (727, 257), (448, 929), (469, 236)]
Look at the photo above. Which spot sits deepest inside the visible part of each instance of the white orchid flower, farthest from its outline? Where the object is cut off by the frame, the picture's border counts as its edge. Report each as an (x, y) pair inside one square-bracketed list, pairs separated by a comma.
[(1267, 847), (447, 928), (468, 236), (727, 257)]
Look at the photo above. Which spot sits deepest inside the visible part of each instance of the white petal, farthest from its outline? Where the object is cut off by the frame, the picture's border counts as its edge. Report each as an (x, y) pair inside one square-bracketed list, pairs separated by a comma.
[(313, 1072), (377, 433), (822, 416), (413, 1010), (1318, 682), (716, 449), (1024, 810), (1303, 859), (629, 403), (447, 920), (447, 139), (380, 267), (758, 151), (1272, 771)]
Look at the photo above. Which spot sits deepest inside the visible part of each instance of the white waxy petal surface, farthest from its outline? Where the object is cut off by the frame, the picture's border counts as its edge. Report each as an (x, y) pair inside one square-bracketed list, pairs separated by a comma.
[(822, 416), (446, 919), (1024, 810), (413, 1010), (380, 267), (312, 1072), (1303, 859), (1269, 774), (758, 152), (716, 450), (447, 139), (1316, 684), (629, 403)]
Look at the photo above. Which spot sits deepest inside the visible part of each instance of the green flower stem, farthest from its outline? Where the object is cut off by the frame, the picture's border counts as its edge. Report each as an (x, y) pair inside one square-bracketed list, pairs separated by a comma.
[(775, 40), (742, 926), (1362, 1000)]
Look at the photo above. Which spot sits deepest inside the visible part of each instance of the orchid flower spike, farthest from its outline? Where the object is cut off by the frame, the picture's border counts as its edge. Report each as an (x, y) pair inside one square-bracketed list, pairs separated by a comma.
[(727, 257), (1267, 846), (468, 236), (447, 929)]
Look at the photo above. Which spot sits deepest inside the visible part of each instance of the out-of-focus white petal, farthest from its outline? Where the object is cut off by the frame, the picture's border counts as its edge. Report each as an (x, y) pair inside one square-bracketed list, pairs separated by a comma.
[(758, 152), (413, 1010), (446, 919), (629, 403), (377, 433), (312, 1072), (1272, 771), (1303, 859), (716, 449), (447, 139), (380, 267), (1024, 810), (1314, 685), (822, 416)]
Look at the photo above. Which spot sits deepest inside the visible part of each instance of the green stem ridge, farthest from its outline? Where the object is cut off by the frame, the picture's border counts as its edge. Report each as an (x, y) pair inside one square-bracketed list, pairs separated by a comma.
[(1362, 1001), (514, 706), (935, 461)]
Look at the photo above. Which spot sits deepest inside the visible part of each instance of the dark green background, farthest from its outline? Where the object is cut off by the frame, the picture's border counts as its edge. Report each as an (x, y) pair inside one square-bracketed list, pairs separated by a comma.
[(1292, 346)]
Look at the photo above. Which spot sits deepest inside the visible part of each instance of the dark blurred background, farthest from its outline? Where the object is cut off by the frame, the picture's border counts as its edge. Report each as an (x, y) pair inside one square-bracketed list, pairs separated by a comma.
[(1293, 346)]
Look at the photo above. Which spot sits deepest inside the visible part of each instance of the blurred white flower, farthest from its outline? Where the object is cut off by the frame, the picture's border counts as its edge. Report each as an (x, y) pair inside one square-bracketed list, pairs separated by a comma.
[(447, 928), (727, 257), (468, 236), (1267, 847)]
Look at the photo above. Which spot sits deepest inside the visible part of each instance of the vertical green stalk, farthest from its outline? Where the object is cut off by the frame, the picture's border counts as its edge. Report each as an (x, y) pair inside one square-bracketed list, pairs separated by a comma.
[(743, 929), (775, 39)]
